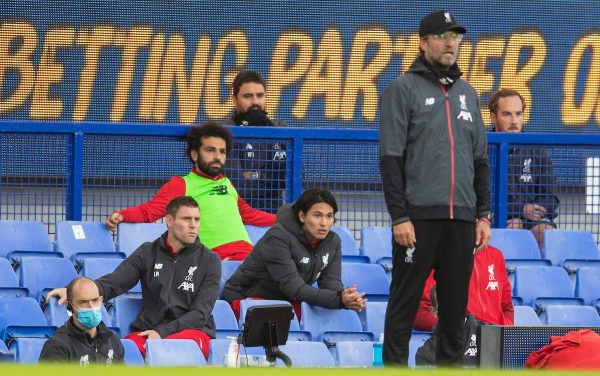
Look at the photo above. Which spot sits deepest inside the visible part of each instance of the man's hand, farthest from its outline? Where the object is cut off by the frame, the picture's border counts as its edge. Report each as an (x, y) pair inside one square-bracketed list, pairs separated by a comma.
[(60, 293), (483, 235), (352, 299), (149, 334), (113, 220), (404, 234), (534, 212)]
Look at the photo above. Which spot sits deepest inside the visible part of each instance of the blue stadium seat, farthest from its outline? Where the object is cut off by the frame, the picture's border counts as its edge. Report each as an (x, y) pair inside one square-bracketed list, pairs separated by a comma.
[(332, 325), (9, 285), (525, 316), (228, 267), (539, 286), (516, 301), (56, 314), (373, 318), (225, 321), (78, 239), (256, 232), (295, 333), (307, 354), (124, 310), (569, 315), (27, 350), (24, 238), (354, 354), (131, 235), (34, 274), (5, 356), (570, 248), (417, 340), (376, 243), (173, 353), (349, 249), (219, 348), (132, 353), (369, 278), (22, 317), (587, 283), (96, 267)]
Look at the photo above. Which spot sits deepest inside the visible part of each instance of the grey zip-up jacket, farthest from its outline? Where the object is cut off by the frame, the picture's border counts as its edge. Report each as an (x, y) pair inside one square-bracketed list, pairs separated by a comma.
[(283, 266), (177, 292), (433, 149)]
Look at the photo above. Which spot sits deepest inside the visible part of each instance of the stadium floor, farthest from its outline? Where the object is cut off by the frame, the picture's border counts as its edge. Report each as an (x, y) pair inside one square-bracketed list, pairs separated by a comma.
[(62, 370)]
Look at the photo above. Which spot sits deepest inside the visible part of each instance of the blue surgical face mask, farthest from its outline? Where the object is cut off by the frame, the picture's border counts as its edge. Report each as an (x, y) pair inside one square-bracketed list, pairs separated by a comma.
[(89, 317)]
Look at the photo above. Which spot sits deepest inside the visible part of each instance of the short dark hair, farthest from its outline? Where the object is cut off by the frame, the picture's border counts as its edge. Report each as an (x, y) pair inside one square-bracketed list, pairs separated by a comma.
[(208, 129), (71, 287), (503, 93), (246, 76), (179, 201), (310, 197)]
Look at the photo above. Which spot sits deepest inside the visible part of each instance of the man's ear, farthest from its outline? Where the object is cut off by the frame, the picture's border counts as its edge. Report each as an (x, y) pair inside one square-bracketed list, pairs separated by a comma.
[(194, 155), (493, 119), (301, 216), (169, 220)]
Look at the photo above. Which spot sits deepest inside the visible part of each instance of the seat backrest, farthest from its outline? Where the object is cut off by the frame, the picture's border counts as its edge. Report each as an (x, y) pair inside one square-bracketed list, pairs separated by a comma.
[(587, 282), (569, 244), (417, 340), (515, 243), (525, 316), (173, 353), (373, 318), (23, 236), (256, 232), (132, 353), (307, 354), (348, 242), (533, 282), (8, 278), (96, 267), (220, 347), (125, 310), (376, 242), (228, 267), (39, 273), (369, 278), (82, 237), (131, 235), (247, 303), (19, 312), (354, 354), (570, 315), (224, 316), (317, 320), (27, 350)]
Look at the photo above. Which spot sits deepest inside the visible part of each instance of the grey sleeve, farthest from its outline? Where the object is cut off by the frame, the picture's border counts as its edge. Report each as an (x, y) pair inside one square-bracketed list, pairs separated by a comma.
[(124, 277)]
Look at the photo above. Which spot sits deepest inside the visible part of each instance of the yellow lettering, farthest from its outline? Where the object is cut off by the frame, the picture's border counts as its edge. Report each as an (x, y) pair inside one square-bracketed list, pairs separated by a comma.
[(464, 59), (130, 43), (573, 113), (217, 106), (17, 61), (50, 72), (281, 74), (361, 76), (324, 77), (518, 77), (92, 41), (150, 81), (410, 51), (479, 77)]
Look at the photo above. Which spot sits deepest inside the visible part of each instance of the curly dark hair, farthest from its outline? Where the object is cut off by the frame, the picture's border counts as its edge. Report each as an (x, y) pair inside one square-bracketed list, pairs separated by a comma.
[(246, 76), (209, 129)]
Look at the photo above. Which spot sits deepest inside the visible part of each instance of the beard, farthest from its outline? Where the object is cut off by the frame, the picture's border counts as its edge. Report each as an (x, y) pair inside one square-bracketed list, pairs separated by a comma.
[(211, 168)]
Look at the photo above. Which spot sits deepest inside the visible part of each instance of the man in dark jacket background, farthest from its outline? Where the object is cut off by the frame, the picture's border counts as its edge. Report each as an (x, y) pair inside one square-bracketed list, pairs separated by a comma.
[(258, 170), (179, 277), (435, 172), (83, 338)]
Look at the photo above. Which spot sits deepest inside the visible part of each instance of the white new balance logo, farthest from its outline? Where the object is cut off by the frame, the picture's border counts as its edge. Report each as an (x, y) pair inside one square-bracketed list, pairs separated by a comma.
[(304, 260)]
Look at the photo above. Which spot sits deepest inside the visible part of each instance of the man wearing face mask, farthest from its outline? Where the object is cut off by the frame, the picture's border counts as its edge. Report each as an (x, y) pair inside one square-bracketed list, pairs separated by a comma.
[(224, 212), (83, 338), (259, 173)]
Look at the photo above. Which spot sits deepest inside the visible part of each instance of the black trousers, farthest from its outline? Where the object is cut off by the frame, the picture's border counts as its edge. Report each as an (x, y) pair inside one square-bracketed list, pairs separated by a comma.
[(446, 246)]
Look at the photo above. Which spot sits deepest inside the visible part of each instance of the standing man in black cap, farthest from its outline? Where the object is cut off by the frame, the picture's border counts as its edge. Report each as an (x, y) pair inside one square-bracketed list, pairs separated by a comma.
[(435, 171), (258, 170)]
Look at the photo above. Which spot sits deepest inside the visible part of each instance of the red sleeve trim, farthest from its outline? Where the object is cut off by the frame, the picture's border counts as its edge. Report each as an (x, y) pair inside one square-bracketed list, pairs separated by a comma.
[(254, 217)]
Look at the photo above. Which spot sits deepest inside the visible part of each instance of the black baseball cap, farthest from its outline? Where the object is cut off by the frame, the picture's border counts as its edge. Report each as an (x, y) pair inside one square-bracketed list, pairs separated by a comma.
[(439, 21)]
